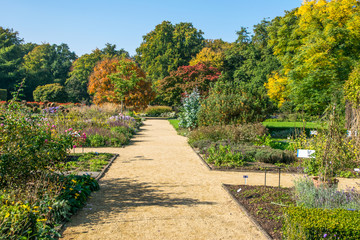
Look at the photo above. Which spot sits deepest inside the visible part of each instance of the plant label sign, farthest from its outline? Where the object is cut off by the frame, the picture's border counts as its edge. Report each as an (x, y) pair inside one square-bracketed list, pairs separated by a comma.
[(305, 153), (245, 176), (357, 169), (313, 132)]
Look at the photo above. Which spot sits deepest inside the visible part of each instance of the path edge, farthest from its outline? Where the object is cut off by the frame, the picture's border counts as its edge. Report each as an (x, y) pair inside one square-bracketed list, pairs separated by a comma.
[(259, 227), (106, 168)]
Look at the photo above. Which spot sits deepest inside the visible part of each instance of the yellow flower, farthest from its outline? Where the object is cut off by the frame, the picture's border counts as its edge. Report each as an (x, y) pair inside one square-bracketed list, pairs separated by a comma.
[(50, 208), (71, 189), (41, 220), (7, 215), (73, 180)]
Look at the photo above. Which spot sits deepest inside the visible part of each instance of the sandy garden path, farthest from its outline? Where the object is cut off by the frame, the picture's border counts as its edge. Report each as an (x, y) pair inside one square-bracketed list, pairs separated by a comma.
[(158, 188)]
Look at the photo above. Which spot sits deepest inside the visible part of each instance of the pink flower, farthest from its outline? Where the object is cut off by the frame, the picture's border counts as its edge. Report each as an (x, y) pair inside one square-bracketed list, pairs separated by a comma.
[(2, 124), (74, 146), (70, 129), (53, 126), (46, 140), (65, 130)]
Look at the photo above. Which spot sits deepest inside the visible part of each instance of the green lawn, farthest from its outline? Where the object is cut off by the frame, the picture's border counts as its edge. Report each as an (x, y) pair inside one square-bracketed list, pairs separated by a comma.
[(174, 123)]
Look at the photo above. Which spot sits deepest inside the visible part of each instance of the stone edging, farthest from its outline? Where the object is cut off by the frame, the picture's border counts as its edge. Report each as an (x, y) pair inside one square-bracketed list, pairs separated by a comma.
[(101, 174), (261, 229)]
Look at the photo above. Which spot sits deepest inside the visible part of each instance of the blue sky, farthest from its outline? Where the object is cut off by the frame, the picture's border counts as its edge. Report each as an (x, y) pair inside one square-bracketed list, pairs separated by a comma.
[(87, 24)]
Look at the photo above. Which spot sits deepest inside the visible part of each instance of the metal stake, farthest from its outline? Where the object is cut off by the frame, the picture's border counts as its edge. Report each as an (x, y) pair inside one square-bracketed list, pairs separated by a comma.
[(265, 177)]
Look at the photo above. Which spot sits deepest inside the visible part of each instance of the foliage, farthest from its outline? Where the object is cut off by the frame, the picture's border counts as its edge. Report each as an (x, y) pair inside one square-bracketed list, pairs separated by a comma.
[(315, 223), (223, 156), (11, 54), (157, 111), (168, 47), (114, 80), (3, 94), (28, 143), (213, 54), (234, 133), (230, 103), (277, 88), (186, 79), (334, 151), (93, 162), (309, 196), (352, 87), (51, 92), (317, 46), (76, 84), (46, 64), (188, 115)]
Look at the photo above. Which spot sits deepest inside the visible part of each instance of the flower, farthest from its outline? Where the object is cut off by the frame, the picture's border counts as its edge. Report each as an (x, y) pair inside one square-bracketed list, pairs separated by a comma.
[(2, 124), (74, 146), (325, 235), (46, 140)]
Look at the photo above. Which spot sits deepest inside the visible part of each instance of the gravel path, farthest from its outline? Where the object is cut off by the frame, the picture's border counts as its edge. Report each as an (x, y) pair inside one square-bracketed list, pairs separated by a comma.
[(159, 189)]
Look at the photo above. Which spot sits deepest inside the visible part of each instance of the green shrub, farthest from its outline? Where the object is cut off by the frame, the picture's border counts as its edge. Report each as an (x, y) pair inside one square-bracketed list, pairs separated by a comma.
[(51, 92), (231, 103), (236, 134), (157, 111), (223, 156), (302, 223), (309, 196), (3, 94)]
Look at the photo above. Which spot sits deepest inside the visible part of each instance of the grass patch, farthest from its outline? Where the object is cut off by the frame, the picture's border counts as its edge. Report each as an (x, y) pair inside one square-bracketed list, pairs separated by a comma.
[(175, 123), (87, 162)]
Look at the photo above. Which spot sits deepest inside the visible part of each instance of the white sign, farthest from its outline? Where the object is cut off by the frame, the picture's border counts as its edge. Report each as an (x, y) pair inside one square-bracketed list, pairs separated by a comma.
[(357, 169), (304, 153), (313, 132)]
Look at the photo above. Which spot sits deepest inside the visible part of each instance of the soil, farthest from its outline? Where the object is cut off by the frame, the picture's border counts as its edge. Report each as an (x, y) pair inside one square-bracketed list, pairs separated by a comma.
[(265, 205)]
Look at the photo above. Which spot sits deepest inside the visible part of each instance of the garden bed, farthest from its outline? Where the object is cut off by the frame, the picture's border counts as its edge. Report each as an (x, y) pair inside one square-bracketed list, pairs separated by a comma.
[(264, 205)]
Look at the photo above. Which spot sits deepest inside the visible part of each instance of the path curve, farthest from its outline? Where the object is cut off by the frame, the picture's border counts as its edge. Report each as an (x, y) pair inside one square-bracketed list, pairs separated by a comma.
[(158, 188)]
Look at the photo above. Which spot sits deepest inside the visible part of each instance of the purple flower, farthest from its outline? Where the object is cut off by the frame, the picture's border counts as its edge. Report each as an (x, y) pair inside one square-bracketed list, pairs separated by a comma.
[(74, 146), (325, 235), (2, 124)]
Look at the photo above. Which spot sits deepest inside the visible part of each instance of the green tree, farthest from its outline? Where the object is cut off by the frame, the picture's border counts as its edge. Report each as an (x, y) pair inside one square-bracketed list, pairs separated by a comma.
[(167, 47), (46, 64), (11, 55)]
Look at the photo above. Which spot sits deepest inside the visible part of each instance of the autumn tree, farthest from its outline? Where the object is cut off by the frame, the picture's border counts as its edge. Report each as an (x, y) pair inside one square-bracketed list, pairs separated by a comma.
[(167, 47), (186, 79), (213, 54), (317, 44), (77, 83), (120, 80)]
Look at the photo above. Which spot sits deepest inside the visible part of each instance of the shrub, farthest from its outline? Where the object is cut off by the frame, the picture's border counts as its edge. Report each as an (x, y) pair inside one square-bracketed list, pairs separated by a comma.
[(157, 111), (189, 112), (51, 92), (228, 103), (309, 196), (315, 223), (3, 94), (223, 156), (236, 134)]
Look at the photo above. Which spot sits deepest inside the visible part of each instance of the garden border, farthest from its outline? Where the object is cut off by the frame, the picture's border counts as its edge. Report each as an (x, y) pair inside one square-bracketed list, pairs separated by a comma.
[(261, 229), (101, 174)]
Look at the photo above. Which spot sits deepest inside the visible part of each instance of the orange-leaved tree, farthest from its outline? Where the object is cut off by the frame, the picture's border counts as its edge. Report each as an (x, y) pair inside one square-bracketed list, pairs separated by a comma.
[(120, 80)]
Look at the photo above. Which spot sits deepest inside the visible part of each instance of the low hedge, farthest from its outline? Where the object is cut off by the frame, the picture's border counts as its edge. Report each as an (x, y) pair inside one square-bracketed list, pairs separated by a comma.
[(316, 223)]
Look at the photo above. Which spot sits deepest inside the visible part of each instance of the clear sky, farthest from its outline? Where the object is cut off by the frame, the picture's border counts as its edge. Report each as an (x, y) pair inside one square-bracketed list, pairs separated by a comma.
[(88, 24)]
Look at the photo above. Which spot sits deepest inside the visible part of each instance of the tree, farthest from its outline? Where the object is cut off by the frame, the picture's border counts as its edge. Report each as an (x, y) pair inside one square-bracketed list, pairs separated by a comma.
[(213, 54), (186, 79), (10, 58), (167, 47), (46, 64), (51, 92), (77, 84), (318, 44), (116, 80)]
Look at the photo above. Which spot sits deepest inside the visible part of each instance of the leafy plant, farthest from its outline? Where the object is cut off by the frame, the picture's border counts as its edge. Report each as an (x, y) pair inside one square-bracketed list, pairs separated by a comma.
[(189, 112)]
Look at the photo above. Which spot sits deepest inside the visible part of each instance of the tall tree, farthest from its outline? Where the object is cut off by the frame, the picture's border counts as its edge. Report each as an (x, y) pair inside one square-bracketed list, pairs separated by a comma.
[(11, 55), (167, 47), (46, 64)]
